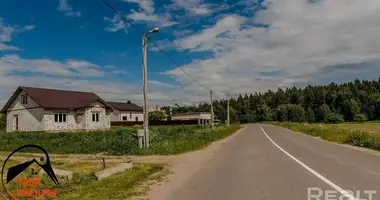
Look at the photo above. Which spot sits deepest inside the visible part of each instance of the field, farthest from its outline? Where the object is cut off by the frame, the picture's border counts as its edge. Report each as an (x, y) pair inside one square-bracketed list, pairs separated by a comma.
[(357, 134), (85, 185), (164, 140)]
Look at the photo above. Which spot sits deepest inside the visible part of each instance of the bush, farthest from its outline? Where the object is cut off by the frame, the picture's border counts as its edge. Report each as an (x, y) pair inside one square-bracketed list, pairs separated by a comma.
[(334, 118), (3, 121), (360, 118)]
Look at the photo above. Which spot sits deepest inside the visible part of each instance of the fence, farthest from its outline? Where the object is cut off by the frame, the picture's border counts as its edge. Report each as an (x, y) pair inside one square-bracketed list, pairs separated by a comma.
[(156, 122)]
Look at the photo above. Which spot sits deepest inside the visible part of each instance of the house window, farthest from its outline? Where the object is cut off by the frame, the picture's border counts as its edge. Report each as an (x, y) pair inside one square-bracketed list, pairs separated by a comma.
[(95, 117), (24, 99), (137, 119), (60, 117), (130, 115), (125, 118)]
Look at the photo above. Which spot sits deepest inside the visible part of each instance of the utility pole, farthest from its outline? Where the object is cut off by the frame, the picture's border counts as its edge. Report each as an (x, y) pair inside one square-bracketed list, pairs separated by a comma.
[(145, 84), (145, 89), (228, 112), (212, 111)]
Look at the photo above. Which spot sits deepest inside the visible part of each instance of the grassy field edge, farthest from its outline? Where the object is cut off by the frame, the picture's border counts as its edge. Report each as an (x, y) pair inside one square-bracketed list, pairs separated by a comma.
[(333, 133)]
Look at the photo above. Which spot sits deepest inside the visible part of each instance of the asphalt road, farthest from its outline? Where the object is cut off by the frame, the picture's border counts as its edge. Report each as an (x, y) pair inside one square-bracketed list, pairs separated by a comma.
[(269, 162)]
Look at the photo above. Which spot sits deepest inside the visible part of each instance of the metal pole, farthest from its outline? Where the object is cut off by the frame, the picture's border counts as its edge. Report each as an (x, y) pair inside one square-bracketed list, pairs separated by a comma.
[(212, 111), (145, 92), (228, 112)]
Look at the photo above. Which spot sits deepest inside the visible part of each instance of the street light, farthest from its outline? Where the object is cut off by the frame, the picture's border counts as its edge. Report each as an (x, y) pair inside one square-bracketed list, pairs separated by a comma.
[(145, 89)]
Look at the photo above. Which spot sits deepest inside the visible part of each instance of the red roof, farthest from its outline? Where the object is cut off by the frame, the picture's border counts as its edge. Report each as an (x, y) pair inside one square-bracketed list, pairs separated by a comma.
[(125, 106), (57, 99)]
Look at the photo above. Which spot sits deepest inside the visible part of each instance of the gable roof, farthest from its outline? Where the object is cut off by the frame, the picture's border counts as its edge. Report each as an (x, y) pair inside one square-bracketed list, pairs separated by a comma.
[(56, 99), (125, 106)]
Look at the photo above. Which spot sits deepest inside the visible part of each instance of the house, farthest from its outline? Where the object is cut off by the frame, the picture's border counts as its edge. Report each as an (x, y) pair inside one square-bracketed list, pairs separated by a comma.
[(39, 109), (126, 112), (202, 117)]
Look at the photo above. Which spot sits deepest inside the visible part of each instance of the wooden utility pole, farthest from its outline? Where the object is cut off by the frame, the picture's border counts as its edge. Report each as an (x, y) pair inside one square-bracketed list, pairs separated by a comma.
[(212, 111), (228, 112)]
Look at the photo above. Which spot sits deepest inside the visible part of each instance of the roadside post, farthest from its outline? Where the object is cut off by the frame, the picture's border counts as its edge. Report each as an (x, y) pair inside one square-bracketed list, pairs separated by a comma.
[(140, 135)]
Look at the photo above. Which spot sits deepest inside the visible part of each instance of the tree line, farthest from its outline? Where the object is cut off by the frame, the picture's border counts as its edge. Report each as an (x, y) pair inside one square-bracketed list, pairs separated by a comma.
[(332, 103)]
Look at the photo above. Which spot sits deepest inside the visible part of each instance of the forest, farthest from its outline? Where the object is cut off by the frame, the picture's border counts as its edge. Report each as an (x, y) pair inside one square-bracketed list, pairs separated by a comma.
[(333, 103)]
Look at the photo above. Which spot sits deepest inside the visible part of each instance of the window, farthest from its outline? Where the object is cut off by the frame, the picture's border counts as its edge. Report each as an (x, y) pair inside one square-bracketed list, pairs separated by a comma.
[(95, 117), (60, 117), (124, 118), (130, 115), (24, 99), (137, 119)]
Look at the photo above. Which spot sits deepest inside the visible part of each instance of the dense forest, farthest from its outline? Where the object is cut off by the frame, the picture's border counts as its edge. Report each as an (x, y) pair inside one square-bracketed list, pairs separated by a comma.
[(333, 103)]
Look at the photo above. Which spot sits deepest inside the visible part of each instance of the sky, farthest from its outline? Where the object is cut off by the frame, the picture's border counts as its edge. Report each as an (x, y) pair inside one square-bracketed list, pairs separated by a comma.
[(229, 46)]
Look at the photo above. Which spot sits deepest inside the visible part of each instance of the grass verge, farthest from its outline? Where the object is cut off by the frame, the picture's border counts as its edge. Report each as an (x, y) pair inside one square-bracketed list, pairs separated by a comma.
[(337, 133), (165, 140), (85, 185)]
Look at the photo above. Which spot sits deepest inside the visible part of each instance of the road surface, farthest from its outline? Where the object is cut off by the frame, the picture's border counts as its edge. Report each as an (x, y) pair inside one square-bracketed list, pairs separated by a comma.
[(269, 162)]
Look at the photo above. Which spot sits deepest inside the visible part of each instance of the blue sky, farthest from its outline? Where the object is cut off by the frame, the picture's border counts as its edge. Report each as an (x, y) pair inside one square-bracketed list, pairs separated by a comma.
[(229, 46)]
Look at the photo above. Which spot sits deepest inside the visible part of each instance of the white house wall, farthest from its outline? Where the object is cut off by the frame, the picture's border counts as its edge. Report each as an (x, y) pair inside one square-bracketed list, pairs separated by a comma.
[(131, 116), (30, 115), (51, 125), (115, 115), (104, 117)]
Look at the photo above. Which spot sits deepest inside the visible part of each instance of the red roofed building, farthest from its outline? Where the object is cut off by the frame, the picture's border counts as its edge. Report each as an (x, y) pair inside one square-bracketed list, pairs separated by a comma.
[(126, 112), (39, 109)]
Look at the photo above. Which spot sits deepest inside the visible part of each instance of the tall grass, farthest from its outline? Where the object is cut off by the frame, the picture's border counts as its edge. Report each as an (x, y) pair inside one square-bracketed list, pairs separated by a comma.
[(336, 133), (120, 141)]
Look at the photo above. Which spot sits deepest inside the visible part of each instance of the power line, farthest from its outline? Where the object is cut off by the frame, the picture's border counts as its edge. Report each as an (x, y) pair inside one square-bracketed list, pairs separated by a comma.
[(156, 45)]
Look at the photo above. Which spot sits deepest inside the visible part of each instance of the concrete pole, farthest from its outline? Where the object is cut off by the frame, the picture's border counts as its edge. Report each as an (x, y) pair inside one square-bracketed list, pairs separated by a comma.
[(145, 88), (212, 111), (228, 112)]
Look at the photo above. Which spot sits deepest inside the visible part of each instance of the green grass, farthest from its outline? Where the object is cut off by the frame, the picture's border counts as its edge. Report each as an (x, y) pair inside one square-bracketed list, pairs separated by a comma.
[(357, 134), (120, 186), (164, 140), (85, 185)]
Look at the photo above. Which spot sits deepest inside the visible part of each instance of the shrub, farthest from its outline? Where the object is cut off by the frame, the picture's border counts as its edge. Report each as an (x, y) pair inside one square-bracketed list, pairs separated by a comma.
[(360, 118), (3, 121), (334, 118)]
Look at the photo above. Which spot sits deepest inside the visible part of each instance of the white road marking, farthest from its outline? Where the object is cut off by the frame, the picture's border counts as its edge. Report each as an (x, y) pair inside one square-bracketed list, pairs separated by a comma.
[(333, 185)]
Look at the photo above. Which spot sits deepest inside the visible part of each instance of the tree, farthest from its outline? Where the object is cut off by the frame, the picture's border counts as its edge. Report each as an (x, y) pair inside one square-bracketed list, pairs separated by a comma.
[(334, 118), (350, 109), (296, 113), (156, 115), (282, 113), (310, 115), (360, 118), (324, 111)]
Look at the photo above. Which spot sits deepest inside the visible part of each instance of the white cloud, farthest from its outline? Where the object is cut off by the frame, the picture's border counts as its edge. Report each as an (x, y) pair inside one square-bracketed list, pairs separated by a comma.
[(116, 24), (14, 63), (161, 84), (193, 7), (66, 8), (145, 13), (303, 38), (6, 33), (4, 47), (119, 72), (145, 5)]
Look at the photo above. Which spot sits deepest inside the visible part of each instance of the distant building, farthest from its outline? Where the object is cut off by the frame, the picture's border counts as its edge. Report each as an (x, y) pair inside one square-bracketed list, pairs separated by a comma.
[(202, 117), (154, 108), (39, 109), (126, 112)]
